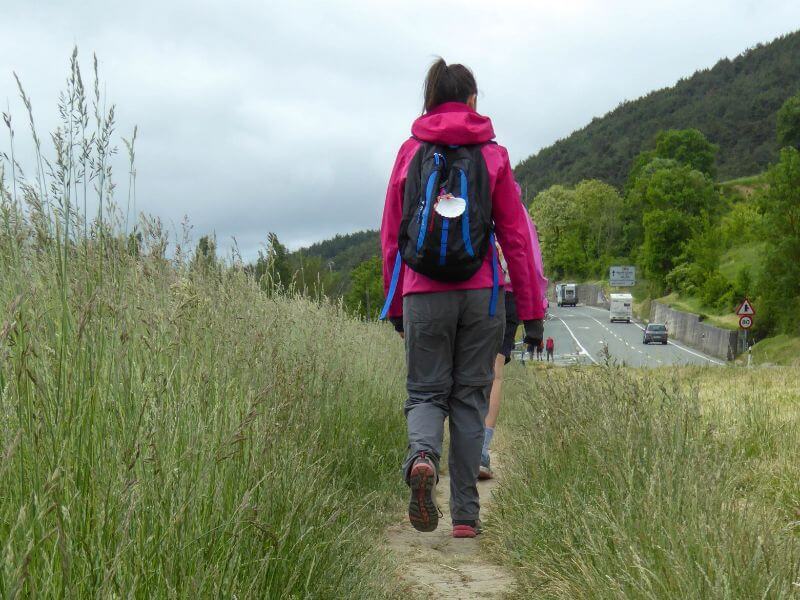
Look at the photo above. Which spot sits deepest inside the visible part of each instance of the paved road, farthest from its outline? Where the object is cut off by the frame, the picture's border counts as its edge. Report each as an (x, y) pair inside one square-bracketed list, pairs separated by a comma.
[(583, 333)]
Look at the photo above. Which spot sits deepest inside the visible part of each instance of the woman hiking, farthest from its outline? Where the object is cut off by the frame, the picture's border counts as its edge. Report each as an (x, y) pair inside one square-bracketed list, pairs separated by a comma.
[(509, 341), (450, 192)]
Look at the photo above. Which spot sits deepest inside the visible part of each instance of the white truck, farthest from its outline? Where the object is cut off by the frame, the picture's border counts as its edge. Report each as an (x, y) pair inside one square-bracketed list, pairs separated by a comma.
[(621, 308), (566, 294)]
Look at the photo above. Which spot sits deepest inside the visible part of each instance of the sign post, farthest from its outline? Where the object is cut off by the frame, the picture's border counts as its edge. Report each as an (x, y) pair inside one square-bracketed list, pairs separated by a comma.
[(622, 276), (746, 312), (746, 309)]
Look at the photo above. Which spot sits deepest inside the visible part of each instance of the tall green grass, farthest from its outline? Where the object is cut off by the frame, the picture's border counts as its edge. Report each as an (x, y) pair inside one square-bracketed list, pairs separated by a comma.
[(169, 430), (636, 485)]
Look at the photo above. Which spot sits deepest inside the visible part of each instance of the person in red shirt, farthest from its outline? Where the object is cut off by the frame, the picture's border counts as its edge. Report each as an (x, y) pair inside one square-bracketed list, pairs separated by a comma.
[(550, 346)]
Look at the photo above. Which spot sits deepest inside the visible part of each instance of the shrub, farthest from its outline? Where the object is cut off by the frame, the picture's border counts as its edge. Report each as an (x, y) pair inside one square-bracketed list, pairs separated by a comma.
[(717, 292)]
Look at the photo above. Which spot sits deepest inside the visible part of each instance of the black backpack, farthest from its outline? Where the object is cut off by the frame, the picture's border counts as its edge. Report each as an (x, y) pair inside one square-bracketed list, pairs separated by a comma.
[(445, 249)]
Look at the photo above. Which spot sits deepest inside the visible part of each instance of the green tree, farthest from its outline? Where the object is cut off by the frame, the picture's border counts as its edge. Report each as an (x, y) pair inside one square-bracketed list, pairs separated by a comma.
[(273, 267), (365, 297), (135, 243), (788, 125), (780, 281), (205, 254), (579, 229), (599, 209), (555, 213), (689, 147), (665, 232), (741, 225), (640, 163), (664, 185), (743, 286), (717, 292), (312, 276)]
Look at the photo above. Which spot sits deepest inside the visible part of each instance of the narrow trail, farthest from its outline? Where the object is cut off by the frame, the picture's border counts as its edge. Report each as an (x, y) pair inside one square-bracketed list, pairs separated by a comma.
[(437, 566)]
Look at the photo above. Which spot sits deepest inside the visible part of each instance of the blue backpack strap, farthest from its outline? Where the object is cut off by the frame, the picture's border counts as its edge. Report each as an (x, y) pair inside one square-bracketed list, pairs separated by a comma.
[(465, 217), (443, 245), (398, 262), (495, 278), (426, 212)]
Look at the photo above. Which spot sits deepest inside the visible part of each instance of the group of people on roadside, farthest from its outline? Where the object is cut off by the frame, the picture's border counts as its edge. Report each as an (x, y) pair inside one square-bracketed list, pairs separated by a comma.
[(462, 269), (537, 350)]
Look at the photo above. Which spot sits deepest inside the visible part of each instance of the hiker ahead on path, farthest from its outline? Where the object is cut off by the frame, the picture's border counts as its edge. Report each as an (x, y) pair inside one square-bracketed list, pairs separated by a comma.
[(550, 346), (450, 191), (509, 340)]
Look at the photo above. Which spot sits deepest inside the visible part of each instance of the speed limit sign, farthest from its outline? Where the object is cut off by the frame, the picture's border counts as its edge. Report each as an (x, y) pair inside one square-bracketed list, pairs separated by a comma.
[(745, 322)]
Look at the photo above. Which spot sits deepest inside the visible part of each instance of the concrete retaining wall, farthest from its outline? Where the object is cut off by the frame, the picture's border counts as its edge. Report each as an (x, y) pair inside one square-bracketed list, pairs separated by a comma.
[(688, 329), (592, 295), (588, 294)]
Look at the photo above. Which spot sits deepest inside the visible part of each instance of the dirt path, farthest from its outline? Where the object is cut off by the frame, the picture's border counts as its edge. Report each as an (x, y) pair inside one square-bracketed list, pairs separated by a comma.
[(437, 566)]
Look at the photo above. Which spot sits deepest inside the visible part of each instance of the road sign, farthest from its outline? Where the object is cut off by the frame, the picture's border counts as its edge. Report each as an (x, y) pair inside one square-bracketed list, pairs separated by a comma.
[(745, 322), (622, 276), (746, 309)]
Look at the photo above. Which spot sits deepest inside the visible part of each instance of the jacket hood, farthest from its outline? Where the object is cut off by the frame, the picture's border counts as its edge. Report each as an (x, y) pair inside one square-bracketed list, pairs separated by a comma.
[(453, 123)]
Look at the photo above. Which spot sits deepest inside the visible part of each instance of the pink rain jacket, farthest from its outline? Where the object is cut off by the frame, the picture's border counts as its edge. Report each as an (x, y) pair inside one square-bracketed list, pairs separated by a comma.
[(540, 287), (454, 123)]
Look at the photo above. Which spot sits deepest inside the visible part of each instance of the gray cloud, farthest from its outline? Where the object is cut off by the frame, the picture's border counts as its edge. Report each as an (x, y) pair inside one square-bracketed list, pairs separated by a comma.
[(286, 117)]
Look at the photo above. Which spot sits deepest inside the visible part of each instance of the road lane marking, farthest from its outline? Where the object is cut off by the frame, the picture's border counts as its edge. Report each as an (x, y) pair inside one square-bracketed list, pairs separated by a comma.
[(697, 354), (583, 350), (671, 343)]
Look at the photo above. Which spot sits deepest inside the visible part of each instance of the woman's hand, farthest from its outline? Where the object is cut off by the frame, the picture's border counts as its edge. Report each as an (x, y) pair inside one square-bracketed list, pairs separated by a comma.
[(398, 326)]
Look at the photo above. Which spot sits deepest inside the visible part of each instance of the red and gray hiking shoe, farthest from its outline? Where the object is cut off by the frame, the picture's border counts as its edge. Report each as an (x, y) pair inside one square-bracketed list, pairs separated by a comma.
[(422, 510), (466, 529)]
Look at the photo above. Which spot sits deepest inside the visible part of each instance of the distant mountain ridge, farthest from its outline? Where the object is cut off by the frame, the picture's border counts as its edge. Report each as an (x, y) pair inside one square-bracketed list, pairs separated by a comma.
[(733, 104), (342, 253)]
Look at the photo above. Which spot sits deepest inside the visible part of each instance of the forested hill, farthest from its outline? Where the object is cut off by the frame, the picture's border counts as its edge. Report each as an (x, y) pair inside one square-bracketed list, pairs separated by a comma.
[(337, 258), (733, 104), (344, 252)]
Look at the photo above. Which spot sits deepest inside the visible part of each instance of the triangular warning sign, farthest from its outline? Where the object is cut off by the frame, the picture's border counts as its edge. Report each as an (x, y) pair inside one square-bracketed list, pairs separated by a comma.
[(745, 309)]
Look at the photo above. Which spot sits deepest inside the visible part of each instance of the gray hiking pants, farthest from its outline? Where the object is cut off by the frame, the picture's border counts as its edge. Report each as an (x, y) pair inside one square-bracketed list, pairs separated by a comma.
[(451, 346)]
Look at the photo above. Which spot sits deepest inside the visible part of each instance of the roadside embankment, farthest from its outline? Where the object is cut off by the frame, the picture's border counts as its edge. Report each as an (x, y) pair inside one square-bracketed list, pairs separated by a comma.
[(777, 350), (687, 328)]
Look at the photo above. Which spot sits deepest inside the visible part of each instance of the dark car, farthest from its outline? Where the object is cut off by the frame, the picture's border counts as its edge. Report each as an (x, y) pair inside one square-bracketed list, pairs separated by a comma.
[(655, 332)]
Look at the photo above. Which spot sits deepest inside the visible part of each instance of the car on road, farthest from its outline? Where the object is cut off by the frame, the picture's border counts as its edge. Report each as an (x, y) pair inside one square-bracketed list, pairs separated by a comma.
[(655, 332)]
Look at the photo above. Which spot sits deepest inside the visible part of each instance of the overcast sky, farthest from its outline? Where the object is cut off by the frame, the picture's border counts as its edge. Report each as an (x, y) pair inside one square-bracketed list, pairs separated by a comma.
[(286, 116)]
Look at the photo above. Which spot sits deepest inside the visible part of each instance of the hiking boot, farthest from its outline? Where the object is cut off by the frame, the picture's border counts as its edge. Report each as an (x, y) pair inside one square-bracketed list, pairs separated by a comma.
[(422, 510), (485, 470), (466, 529)]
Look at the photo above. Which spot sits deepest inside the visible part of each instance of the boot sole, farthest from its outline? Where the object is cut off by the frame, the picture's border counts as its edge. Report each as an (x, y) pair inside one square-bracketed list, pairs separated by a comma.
[(422, 510)]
